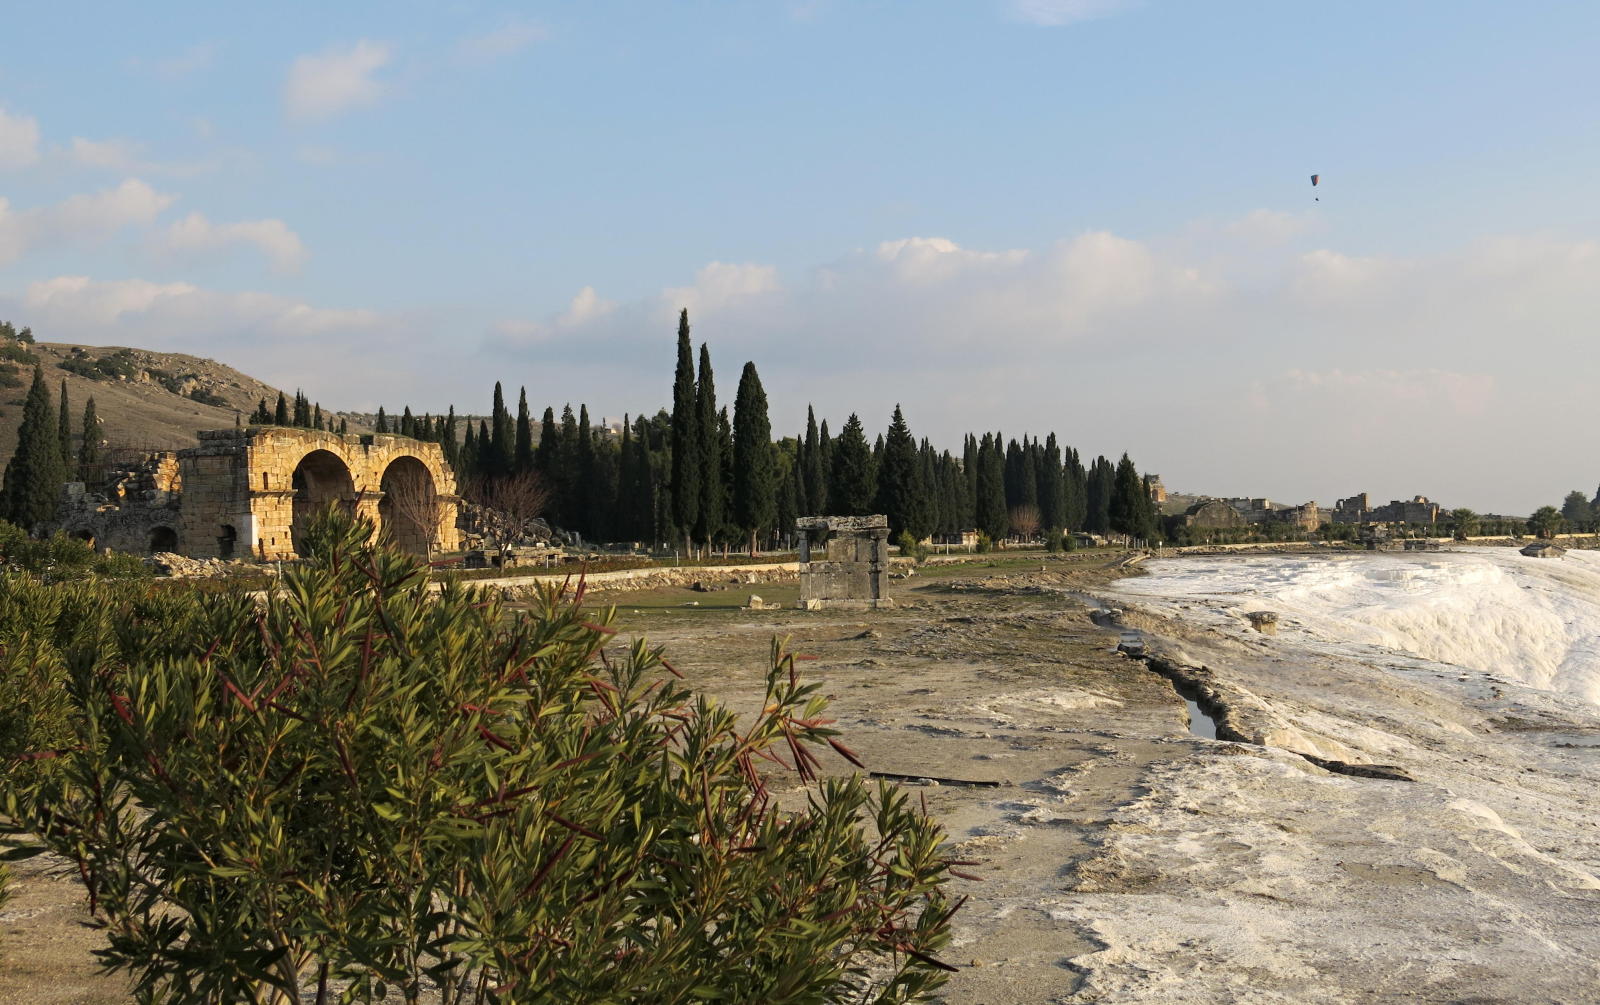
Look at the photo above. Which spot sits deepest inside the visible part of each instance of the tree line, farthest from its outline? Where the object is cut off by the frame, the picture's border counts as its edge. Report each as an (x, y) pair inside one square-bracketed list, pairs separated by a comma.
[(703, 475)]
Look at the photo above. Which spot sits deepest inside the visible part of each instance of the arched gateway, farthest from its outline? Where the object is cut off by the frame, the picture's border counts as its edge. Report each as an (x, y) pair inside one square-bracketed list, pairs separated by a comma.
[(254, 490)]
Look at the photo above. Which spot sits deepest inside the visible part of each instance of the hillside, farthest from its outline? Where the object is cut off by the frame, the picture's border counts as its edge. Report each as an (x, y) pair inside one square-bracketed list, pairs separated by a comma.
[(145, 400)]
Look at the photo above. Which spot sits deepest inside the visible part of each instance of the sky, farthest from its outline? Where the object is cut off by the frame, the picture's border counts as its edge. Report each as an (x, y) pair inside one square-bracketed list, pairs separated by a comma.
[(1087, 216)]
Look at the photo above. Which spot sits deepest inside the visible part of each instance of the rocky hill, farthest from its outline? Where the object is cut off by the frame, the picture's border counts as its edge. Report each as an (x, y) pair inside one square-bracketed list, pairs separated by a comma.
[(145, 400)]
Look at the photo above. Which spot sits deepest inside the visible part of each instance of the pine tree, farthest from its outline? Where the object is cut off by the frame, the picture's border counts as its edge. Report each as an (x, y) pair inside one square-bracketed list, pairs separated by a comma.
[(64, 432), (89, 448), (261, 416), (712, 489), (754, 486), (687, 463), (850, 482), (902, 496), (1131, 511), (34, 476), (522, 456)]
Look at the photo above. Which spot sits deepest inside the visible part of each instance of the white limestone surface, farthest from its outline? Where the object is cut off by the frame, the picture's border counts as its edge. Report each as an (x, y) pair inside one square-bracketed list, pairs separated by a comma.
[(1245, 873)]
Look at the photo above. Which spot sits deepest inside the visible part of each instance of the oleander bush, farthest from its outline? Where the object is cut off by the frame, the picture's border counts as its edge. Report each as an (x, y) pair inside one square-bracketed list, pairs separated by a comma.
[(360, 788)]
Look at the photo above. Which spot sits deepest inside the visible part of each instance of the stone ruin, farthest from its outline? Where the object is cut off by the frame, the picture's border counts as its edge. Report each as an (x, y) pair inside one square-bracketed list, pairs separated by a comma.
[(251, 493), (854, 557)]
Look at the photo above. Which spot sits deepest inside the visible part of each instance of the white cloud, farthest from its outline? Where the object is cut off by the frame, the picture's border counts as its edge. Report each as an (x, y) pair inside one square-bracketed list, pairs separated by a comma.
[(1306, 372), (195, 235), (19, 140), (586, 308), (1053, 13), (333, 81), (111, 155), (80, 218), (140, 312), (506, 40), (1270, 227), (720, 284)]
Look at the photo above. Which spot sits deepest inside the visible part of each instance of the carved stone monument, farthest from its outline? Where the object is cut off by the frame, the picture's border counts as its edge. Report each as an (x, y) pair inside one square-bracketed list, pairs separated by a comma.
[(842, 562)]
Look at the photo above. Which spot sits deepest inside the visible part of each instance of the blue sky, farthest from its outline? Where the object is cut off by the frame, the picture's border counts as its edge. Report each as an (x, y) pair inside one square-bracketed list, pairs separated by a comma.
[(1083, 215)]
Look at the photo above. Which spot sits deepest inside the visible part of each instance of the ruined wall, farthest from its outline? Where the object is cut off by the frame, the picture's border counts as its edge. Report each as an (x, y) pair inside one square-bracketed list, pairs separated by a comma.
[(250, 492)]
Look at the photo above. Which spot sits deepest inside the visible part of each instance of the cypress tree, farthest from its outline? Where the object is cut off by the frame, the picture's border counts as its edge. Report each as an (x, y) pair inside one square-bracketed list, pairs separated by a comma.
[(408, 423), (302, 410), (585, 498), (814, 488), (261, 417), (382, 425), (901, 495), (64, 432), (447, 434), (89, 448), (33, 477), (522, 458), (344, 426), (316, 416), (1098, 485), (280, 416), (568, 471), (1052, 486), (712, 499), (642, 494), (754, 489), (502, 445), (971, 465), (467, 460), (687, 463), (547, 458), (824, 498), (788, 505), (850, 482)]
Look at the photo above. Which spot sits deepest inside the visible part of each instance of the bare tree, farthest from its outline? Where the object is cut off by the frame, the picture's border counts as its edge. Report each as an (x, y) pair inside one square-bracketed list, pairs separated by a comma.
[(414, 505), (1025, 522), (509, 506)]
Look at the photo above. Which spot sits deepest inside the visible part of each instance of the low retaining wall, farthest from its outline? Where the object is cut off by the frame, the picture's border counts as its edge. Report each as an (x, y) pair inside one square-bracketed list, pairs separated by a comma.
[(649, 578)]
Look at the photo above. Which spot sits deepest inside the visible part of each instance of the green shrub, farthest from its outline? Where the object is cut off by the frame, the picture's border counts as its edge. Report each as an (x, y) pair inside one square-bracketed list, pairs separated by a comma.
[(911, 548), (1052, 539), (985, 543), (366, 783), (13, 353), (82, 367)]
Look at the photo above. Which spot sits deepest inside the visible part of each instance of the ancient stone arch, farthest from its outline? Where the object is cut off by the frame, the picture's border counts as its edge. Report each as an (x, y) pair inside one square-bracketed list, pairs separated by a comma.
[(257, 487), (408, 510)]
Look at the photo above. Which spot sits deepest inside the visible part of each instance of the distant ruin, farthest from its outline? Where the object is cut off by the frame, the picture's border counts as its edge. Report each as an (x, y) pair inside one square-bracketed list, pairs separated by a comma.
[(855, 556), (251, 493)]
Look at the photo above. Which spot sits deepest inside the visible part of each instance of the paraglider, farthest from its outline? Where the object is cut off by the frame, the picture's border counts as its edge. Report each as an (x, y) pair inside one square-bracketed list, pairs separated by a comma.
[(1314, 179)]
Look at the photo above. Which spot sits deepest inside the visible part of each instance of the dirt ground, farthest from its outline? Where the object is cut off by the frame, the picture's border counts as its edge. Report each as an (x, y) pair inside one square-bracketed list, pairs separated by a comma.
[(984, 673)]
